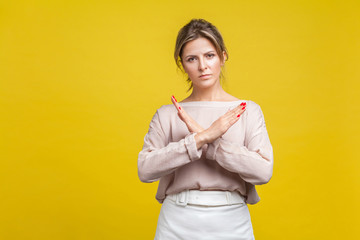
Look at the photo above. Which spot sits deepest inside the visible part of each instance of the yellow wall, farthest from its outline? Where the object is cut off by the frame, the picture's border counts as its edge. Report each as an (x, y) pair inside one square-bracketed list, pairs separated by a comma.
[(80, 81)]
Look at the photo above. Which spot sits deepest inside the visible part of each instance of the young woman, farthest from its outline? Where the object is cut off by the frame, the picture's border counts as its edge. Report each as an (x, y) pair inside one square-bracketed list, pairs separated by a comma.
[(208, 151)]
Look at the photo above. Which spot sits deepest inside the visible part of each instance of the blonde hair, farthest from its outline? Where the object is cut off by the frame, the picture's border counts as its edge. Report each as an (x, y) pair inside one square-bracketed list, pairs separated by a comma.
[(195, 29)]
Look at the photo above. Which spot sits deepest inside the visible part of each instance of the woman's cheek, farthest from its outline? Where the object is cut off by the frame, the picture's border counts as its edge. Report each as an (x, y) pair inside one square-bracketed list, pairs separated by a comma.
[(214, 63)]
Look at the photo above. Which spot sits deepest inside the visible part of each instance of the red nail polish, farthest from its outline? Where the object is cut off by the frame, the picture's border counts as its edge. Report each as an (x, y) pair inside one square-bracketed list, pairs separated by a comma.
[(243, 108), (174, 98), (180, 108), (242, 104), (238, 115)]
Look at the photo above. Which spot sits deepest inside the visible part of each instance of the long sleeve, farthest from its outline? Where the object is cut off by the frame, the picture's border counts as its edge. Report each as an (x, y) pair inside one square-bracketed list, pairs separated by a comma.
[(254, 161), (156, 159)]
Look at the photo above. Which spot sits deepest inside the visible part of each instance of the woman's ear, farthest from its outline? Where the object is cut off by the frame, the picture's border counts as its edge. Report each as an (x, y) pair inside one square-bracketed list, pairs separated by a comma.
[(224, 57)]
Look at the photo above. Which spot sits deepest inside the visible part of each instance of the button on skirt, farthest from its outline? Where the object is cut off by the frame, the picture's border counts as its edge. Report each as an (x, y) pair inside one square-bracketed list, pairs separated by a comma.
[(196, 222)]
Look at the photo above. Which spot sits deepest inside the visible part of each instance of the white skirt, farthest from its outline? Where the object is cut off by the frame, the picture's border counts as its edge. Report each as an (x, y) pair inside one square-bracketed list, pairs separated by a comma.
[(201, 221)]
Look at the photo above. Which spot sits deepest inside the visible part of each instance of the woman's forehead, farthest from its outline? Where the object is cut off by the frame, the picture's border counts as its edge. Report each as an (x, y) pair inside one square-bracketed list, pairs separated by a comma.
[(199, 46)]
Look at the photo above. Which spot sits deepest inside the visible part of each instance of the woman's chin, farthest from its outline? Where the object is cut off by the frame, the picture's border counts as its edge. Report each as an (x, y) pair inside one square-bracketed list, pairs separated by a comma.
[(205, 84)]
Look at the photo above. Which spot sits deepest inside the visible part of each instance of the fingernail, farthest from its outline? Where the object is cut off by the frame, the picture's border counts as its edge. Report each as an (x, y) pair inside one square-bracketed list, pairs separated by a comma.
[(174, 98), (242, 104), (243, 108), (180, 108), (238, 115)]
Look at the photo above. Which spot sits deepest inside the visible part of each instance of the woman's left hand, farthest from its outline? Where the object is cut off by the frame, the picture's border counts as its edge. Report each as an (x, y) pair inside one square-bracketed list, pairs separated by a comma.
[(191, 124)]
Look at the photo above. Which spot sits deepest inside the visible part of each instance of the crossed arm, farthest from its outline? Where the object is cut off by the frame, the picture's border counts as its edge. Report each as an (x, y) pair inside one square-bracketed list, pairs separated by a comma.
[(253, 162), (216, 130)]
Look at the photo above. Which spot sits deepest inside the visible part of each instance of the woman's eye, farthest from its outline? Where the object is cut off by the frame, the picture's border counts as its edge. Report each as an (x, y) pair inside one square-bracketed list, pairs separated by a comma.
[(190, 59), (211, 55)]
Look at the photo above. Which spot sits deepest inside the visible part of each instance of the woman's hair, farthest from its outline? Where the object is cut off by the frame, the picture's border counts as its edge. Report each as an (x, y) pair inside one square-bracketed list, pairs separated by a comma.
[(198, 28)]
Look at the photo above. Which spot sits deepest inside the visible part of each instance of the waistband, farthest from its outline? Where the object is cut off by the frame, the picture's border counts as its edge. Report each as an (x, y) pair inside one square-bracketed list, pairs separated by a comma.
[(207, 198)]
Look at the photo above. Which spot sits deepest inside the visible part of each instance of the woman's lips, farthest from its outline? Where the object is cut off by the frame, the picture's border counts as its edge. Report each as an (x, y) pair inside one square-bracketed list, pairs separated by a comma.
[(205, 76)]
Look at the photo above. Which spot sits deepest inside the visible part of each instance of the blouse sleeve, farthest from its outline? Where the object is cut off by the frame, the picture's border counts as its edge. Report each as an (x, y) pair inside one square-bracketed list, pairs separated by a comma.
[(156, 159), (254, 161)]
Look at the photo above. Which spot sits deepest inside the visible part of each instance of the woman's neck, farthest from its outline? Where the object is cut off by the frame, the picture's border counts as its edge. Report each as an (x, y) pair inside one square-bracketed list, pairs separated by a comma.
[(215, 94)]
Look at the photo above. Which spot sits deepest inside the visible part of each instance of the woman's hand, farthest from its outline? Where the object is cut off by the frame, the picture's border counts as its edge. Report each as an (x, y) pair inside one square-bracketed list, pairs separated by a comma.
[(216, 130), (192, 125), (222, 124)]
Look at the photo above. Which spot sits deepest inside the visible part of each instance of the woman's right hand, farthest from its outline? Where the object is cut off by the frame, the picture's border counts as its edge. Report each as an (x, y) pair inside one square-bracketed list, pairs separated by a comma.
[(216, 130), (222, 124), (191, 124)]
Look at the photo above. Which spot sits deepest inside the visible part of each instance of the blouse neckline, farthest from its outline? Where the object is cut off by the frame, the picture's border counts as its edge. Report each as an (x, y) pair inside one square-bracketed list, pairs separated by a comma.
[(211, 103)]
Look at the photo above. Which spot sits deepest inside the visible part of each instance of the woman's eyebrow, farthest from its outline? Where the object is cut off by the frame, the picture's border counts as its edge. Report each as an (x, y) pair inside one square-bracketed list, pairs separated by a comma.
[(204, 53)]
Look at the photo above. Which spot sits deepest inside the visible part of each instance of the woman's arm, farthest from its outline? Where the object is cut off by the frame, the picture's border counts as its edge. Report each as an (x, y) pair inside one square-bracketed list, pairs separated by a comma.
[(254, 161), (217, 129), (156, 159)]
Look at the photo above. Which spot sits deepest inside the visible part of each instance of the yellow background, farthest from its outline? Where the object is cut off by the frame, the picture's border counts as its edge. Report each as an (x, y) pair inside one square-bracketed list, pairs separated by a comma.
[(80, 81)]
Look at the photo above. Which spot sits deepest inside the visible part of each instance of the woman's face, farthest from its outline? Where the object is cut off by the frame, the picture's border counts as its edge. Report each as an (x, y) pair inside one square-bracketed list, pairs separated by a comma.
[(201, 62)]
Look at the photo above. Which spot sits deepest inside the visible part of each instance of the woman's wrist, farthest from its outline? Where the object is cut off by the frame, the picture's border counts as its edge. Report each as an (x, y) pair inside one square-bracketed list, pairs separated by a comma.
[(200, 139)]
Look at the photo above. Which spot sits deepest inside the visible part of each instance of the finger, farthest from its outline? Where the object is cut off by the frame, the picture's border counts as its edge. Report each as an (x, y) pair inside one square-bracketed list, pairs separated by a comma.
[(181, 112), (241, 108), (229, 113), (239, 113), (189, 121), (192, 125), (235, 113), (177, 105), (235, 110), (234, 120)]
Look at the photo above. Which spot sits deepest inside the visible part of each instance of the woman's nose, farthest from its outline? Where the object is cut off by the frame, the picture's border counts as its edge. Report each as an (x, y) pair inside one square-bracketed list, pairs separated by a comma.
[(202, 64)]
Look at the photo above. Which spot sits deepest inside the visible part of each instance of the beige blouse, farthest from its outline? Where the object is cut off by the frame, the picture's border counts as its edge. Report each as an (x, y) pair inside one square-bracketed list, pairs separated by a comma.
[(237, 161)]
